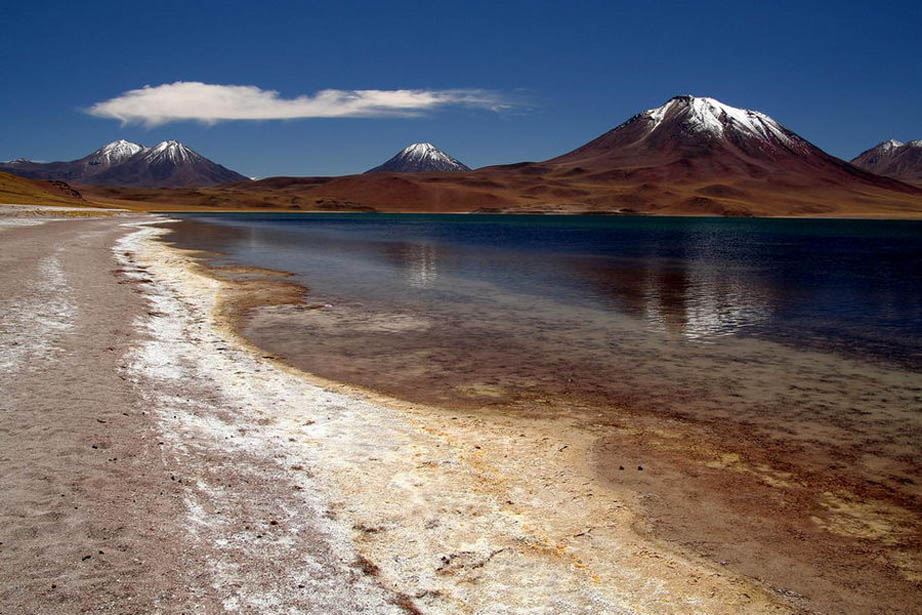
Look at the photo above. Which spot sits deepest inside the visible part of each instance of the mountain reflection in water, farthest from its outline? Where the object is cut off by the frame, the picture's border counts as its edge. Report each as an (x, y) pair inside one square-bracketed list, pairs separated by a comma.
[(833, 284)]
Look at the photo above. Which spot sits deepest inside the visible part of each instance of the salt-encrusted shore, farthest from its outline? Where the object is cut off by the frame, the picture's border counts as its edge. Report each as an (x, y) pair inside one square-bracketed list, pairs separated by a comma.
[(154, 462)]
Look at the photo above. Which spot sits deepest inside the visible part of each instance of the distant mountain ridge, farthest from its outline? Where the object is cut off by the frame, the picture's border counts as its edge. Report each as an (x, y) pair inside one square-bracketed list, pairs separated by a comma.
[(689, 156), (895, 159), (169, 164), (420, 158)]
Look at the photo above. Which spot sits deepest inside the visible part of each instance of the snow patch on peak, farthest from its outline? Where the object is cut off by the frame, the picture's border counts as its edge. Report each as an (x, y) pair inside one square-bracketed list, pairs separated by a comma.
[(709, 115), (419, 157), (116, 152), (420, 147), (166, 145), (171, 150), (892, 144), (426, 153), (915, 143)]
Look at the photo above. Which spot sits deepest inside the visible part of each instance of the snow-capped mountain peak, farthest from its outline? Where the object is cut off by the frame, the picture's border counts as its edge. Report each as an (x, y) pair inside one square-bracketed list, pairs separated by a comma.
[(172, 151), (892, 158), (694, 136), (115, 153), (421, 157), (426, 151), (169, 164), (712, 117), (421, 149)]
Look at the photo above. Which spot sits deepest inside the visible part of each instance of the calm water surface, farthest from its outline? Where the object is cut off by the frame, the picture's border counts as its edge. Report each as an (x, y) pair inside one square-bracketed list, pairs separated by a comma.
[(843, 286)]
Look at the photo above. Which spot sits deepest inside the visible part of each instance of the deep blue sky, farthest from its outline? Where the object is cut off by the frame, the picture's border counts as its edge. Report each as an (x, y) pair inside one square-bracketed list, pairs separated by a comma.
[(845, 75)]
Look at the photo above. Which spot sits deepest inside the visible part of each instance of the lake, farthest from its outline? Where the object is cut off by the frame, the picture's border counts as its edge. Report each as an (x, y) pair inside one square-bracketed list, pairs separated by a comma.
[(764, 373)]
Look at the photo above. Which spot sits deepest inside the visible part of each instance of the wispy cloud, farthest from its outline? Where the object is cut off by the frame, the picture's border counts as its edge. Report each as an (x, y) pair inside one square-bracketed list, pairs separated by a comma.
[(211, 103)]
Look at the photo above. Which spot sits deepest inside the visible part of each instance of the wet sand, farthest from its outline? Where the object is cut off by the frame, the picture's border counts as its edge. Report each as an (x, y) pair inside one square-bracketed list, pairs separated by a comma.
[(795, 468), (153, 461)]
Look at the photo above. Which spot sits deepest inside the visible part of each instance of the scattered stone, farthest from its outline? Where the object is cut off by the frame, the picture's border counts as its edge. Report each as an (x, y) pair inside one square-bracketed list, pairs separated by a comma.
[(367, 566)]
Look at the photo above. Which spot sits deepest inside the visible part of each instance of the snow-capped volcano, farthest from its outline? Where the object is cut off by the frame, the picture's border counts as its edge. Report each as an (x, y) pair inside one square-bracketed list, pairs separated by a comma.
[(418, 158), (712, 117), (123, 163), (695, 138), (169, 164), (114, 153), (689, 127), (894, 158), (171, 151)]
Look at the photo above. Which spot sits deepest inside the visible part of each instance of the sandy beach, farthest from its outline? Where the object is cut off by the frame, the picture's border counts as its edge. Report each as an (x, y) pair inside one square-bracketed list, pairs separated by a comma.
[(153, 462)]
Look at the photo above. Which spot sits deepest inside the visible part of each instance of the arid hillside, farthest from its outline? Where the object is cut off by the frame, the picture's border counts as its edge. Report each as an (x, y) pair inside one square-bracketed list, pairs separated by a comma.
[(15, 189)]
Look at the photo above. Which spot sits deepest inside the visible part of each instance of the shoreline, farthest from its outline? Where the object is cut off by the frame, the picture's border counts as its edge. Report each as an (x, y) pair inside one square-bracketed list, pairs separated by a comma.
[(103, 208), (915, 217), (847, 515), (281, 490), (591, 534)]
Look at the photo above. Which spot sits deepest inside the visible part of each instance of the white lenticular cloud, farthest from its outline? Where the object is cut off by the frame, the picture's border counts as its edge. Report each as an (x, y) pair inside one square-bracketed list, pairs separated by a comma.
[(210, 103)]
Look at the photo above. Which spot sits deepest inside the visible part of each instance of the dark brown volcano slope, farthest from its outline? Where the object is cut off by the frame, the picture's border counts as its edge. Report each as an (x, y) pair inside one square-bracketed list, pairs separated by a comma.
[(902, 161)]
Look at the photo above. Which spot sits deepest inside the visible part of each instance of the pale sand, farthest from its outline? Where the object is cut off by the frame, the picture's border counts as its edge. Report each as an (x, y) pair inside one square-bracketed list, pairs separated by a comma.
[(222, 481)]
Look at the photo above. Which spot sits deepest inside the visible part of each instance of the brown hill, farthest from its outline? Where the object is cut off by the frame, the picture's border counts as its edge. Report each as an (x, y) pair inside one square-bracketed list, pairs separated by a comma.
[(20, 190)]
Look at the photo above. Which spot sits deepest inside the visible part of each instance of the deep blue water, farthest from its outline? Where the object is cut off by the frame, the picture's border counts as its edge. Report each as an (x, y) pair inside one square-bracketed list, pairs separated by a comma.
[(848, 286)]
